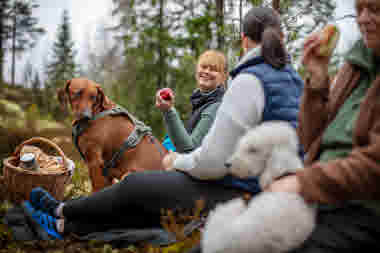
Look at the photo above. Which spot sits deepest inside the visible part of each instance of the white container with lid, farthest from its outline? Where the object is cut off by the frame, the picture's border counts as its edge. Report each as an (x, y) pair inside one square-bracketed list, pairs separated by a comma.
[(28, 161)]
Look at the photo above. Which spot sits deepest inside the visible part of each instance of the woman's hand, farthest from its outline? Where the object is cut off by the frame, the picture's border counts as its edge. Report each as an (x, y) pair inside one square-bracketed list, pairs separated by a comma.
[(316, 65), (164, 104), (285, 184), (168, 160)]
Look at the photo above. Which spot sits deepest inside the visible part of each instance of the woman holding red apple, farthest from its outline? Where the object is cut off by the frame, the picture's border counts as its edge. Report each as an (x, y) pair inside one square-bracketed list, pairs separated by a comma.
[(205, 100)]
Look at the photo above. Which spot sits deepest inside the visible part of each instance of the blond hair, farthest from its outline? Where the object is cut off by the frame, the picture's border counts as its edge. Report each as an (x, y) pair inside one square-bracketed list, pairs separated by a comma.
[(214, 57)]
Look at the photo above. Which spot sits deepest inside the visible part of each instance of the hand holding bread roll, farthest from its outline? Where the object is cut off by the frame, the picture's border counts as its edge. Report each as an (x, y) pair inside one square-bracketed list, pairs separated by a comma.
[(318, 49)]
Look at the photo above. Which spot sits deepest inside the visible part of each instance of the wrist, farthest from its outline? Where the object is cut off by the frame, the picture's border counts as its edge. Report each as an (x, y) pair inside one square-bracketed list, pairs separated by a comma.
[(316, 81), (184, 162), (167, 110)]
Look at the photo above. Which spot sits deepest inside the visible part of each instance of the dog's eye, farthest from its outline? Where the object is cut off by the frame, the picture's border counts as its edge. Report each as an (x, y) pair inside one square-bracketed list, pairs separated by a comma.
[(252, 150)]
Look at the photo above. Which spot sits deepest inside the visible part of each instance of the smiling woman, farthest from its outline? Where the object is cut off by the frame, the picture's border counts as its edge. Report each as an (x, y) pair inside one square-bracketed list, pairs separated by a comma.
[(211, 71), (210, 75), (368, 12)]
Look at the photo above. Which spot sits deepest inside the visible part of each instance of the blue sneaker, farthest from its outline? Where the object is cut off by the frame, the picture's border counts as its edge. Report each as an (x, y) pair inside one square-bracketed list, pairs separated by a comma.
[(42, 200), (43, 224)]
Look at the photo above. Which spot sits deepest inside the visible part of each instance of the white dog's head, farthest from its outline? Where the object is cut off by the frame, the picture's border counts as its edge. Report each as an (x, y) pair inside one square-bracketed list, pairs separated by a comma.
[(268, 151)]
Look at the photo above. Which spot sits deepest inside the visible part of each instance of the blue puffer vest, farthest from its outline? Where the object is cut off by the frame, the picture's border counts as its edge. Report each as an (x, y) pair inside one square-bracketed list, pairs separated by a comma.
[(282, 90)]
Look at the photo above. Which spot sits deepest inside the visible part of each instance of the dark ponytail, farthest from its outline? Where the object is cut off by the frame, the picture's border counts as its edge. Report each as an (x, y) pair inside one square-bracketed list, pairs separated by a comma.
[(272, 47), (262, 25)]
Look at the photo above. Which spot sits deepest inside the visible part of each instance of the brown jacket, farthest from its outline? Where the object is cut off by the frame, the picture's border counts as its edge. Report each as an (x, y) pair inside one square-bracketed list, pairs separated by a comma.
[(358, 175)]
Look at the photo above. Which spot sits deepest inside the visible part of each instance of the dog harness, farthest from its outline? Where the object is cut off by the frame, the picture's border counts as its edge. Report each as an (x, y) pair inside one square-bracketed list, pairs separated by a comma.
[(140, 130)]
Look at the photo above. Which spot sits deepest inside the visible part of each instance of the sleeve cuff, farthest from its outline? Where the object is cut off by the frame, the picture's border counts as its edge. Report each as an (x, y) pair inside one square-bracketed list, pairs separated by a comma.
[(312, 182), (184, 162), (169, 112)]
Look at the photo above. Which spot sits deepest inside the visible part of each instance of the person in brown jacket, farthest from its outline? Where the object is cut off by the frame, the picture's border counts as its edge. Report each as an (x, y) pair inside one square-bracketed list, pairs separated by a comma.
[(340, 131)]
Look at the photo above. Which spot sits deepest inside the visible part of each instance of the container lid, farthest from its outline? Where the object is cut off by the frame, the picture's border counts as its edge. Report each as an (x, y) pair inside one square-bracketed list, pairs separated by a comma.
[(27, 157)]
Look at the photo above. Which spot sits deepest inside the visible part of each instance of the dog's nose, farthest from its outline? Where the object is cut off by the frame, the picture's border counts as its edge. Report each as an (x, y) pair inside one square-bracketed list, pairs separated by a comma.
[(227, 165)]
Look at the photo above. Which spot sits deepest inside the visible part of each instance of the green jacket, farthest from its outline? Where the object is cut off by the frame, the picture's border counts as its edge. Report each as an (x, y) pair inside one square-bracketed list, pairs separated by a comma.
[(178, 134), (337, 139)]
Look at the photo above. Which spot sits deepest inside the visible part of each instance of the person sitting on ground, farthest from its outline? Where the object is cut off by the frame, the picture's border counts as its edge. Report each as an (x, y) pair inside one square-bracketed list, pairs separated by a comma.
[(211, 74), (265, 87), (340, 131)]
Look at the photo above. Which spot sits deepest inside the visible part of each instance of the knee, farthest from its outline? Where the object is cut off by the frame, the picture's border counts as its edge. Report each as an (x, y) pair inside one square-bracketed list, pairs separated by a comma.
[(131, 178), (141, 186), (135, 184)]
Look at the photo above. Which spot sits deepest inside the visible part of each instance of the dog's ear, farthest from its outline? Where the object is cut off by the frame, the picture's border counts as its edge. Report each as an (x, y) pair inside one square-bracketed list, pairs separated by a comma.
[(64, 96), (102, 101), (281, 162)]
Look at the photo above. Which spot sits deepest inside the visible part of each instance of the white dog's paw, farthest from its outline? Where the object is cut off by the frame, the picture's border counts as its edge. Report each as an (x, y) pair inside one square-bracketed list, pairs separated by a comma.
[(216, 234)]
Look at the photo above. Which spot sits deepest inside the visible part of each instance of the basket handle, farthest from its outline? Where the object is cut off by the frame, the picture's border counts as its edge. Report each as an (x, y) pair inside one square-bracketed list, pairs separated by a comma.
[(40, 139)]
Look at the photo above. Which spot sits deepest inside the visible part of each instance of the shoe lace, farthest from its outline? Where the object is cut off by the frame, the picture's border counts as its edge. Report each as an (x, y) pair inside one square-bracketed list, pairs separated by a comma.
[(45, 219)]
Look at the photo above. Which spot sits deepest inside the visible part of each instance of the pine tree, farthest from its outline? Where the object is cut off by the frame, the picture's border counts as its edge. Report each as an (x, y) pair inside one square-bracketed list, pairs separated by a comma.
[(24, 31), (5, 6), (62, 66)]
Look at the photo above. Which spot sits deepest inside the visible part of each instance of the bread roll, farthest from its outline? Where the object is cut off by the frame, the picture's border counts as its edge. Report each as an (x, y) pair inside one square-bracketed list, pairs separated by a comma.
[(329, 37)]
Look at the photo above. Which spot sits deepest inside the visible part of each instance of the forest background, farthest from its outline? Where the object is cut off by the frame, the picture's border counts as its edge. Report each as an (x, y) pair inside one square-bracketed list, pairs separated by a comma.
[(151, 44)]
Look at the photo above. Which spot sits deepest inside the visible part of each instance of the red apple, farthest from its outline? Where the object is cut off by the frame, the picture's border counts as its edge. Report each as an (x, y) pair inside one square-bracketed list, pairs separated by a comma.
[(166, 93)]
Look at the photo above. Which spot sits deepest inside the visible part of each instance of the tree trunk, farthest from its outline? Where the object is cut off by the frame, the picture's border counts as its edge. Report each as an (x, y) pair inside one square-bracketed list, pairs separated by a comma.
[(2, 36), (220, 24), (193, 45), (161, 60), (14, 49), (276, 5), (240, 17)]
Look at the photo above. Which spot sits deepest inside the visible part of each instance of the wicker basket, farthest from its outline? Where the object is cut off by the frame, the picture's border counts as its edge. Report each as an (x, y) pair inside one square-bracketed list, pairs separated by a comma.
[(20, 182)]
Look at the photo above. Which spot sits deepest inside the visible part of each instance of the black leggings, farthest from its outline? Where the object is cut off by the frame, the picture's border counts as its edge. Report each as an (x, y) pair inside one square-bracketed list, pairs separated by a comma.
[(137, 201), (350, 228)]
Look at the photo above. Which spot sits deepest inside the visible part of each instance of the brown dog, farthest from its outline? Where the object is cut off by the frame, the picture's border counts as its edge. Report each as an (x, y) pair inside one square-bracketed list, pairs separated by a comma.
[(104, 136)]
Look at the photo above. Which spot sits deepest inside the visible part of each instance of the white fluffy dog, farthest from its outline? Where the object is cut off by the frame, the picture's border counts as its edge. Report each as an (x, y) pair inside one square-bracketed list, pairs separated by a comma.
[(273, 222)]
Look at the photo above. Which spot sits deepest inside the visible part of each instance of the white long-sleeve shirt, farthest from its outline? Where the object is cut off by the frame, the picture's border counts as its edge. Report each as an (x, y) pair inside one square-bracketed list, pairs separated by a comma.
[(241, 109)]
